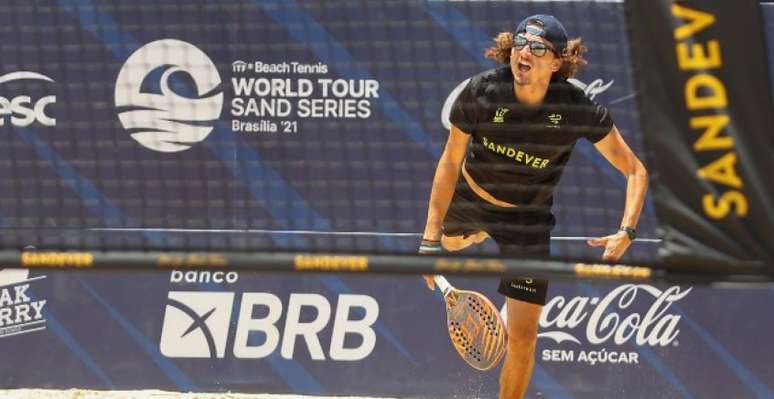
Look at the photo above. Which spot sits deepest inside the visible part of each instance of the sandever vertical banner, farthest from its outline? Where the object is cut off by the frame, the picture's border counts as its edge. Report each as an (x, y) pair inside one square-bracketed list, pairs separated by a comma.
[(706, 110)]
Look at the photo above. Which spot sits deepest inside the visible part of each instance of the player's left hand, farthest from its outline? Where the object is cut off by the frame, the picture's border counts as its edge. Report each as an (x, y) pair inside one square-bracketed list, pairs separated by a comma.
[(615, 245)]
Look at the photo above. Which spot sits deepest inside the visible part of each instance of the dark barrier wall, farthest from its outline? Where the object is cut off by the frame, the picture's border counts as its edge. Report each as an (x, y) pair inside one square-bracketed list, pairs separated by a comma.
[(707, 112)]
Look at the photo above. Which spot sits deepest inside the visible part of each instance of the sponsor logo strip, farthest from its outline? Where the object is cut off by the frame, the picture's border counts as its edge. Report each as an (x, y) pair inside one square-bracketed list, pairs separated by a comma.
[(333, 262), (57, 259)]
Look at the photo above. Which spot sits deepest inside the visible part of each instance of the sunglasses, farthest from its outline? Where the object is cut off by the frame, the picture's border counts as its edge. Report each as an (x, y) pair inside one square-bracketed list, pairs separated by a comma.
[(537, 48)]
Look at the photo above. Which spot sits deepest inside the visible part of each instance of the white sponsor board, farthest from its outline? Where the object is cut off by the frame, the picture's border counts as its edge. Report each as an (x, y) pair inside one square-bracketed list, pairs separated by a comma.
[(20, 313), (601, 329), (169, 96), (24, 110), (277, 97), (199, 324)]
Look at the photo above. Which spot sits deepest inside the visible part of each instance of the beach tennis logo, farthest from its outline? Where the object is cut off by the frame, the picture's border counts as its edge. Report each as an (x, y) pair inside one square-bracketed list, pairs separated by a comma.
[(196, 324), (19, 313), (168, 95), (23, 110), (240, 66)]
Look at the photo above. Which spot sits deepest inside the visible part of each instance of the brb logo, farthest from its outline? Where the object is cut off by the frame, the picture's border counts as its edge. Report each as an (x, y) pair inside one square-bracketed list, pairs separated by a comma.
[(22, 110), (168, 95), (197, 324)]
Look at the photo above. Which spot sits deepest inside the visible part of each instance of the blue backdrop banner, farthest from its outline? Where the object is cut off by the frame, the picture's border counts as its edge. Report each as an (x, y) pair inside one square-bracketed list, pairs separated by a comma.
[(267, 125), (244, 125)]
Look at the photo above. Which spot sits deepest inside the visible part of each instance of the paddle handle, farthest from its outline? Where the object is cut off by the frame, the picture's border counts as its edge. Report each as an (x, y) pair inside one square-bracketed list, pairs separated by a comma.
[(442, 284)]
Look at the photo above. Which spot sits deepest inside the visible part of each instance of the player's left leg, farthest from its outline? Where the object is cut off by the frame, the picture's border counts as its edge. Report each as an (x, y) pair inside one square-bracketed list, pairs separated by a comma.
[(522, 327), (522, 235)]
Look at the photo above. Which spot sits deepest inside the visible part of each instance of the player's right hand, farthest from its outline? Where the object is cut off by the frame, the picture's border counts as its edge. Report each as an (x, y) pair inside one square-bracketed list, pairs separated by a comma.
[(430, 247), (430, 282)]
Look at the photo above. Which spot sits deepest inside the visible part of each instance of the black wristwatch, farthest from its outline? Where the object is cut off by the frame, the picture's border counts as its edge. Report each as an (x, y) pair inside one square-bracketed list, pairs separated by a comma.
[(629, 232)]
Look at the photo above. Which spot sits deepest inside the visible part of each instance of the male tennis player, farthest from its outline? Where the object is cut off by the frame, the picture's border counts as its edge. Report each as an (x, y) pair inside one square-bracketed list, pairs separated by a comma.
[(513, 130)]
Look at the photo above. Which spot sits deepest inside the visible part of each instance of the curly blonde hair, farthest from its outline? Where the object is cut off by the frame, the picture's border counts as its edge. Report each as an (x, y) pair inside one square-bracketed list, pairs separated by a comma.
[(572, 58)]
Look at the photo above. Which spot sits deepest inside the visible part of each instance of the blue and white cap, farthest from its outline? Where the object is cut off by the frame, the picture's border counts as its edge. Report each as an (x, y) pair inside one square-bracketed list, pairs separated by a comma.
[(547, 27)]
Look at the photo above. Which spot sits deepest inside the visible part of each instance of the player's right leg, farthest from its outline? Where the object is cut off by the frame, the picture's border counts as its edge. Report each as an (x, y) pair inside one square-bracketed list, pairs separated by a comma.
[(522, 234), (460, 242), (464, 224)]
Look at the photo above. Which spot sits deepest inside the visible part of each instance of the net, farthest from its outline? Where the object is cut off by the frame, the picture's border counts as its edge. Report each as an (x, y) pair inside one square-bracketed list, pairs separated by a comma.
[(262, 126), (266, 126)]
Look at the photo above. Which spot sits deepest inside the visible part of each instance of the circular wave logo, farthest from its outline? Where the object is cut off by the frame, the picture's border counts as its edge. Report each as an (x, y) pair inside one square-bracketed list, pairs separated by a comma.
[(168, 95)]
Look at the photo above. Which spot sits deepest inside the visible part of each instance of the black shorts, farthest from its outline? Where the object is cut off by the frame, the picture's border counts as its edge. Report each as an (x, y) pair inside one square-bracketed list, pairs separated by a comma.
[(518, 232)]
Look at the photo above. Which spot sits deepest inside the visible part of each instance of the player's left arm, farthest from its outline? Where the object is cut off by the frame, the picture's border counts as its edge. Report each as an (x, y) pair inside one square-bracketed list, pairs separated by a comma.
[(617, 152)]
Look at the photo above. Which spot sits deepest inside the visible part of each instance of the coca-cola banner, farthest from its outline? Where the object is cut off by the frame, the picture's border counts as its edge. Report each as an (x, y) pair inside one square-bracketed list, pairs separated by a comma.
[(656, 327), (387, 337), (704, 96)]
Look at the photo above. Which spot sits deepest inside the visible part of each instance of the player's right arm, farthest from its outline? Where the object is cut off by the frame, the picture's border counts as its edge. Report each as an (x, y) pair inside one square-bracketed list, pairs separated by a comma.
[(446, 174)]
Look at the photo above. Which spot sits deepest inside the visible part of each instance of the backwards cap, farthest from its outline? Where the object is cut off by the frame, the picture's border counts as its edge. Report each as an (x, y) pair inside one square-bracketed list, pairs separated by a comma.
[(547, 27)]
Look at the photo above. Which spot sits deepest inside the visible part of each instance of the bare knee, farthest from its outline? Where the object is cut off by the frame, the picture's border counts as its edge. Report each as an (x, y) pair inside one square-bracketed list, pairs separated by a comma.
[(523, 318)]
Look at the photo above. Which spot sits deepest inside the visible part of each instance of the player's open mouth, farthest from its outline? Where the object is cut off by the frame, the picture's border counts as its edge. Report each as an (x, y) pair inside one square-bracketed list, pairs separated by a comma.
[(524, 67)]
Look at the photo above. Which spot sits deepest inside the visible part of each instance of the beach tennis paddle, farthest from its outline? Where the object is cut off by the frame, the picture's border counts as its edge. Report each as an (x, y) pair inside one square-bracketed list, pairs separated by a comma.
[(475, 327)]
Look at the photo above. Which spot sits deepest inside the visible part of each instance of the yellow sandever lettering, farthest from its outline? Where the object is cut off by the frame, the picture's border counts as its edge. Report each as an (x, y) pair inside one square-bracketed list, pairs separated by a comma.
[(447, 265), (703, 91), (611, 271), (519, 156), (331, 262), (723, 171), (57, 259), (716, 98), (698, 21), (191, 260), (713, 125), (694, 57), (718, 208)]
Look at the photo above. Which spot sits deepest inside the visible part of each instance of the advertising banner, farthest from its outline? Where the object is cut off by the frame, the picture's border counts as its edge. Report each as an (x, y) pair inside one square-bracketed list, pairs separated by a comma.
[(221, 331), (258, 125), (705, 104)]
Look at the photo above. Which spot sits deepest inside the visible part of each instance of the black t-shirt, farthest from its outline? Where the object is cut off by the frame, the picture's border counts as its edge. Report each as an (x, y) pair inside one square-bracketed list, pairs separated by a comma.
[(518, 152)]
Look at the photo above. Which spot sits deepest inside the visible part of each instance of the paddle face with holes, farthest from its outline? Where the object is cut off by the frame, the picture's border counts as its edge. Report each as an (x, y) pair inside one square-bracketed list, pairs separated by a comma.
[(475, 328)]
